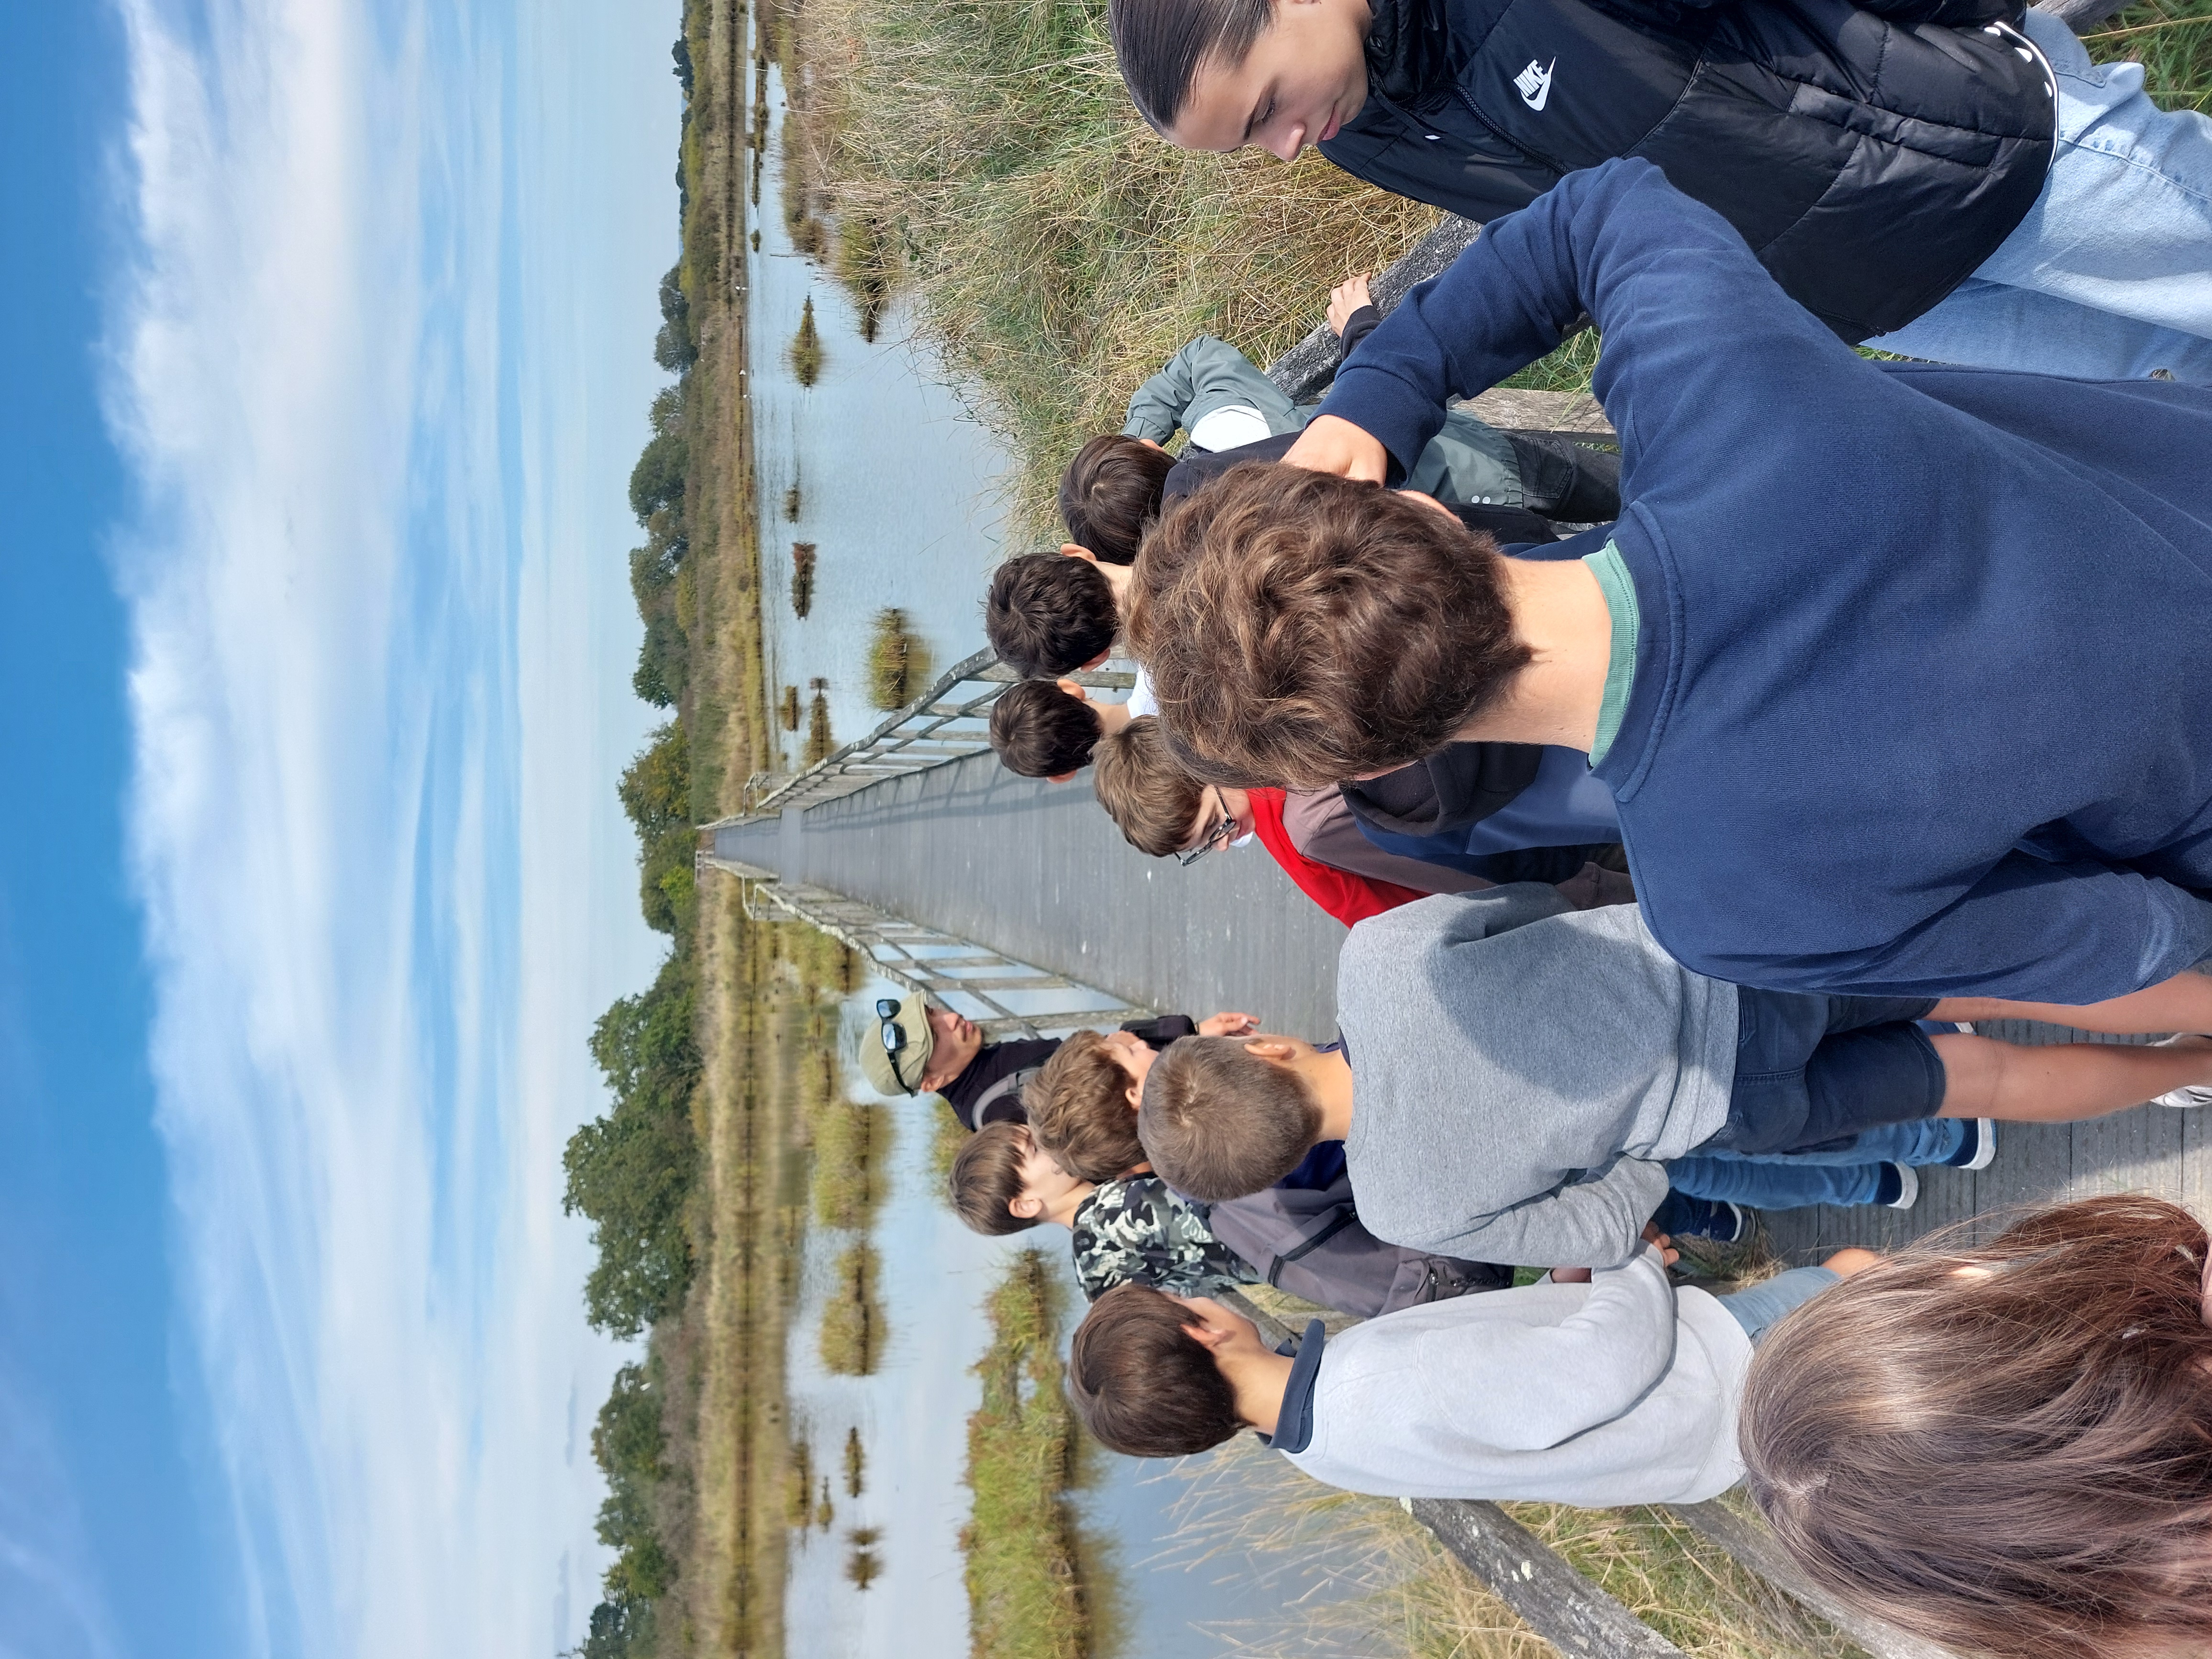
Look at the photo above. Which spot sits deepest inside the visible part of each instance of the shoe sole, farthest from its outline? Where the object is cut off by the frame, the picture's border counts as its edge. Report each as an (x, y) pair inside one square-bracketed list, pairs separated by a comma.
[(1909, 1179), (1985, 1145)]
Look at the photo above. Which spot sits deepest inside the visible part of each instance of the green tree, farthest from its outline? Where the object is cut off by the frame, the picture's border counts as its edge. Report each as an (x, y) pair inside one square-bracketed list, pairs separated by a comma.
[(657, 480), (656, 788), (629, 1173)]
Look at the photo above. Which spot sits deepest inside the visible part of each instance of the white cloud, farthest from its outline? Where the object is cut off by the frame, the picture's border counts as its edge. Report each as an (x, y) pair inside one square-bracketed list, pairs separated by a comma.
[(375, 605)]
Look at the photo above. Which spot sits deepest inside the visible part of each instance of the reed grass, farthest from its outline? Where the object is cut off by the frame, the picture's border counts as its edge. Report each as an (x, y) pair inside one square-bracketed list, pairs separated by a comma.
[(1025, 1597), (898, 661), (850, 1343), (2173, 40), (852, 1147), (805, 351), (1058, 251)]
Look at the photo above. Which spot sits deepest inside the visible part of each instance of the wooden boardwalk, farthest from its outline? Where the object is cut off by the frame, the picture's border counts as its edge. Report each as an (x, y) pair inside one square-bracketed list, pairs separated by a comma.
[(1036, 871)]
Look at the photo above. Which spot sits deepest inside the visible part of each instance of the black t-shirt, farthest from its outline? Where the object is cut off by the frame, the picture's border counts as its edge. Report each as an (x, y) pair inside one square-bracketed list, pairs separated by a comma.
[(994, 1061)]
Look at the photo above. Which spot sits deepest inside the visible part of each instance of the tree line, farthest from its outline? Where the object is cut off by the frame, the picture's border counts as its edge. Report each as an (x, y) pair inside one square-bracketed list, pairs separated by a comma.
[(632, 1171)]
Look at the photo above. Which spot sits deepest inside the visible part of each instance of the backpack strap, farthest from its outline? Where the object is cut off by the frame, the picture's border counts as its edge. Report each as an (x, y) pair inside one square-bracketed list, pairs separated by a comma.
[(1011, 1083)]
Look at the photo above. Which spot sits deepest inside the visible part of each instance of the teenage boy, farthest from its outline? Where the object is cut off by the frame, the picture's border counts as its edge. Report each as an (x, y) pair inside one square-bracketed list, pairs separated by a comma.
[(1129, 1227), (1302, 1231), (1048, 728), (1619, 1390), (1883, 157), (1115, 486), (1133, 1231), (1314, 834), (1899, 675), (1514, 1075), (921, 1048)]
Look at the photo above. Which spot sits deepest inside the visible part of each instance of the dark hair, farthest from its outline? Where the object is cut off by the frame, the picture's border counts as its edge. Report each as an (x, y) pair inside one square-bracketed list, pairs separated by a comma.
[(987, 1177), (1302, 629), (1050, 614), (1161, 45), (1079, 1108), (1111, 493), (1040, 732), (1142, 1385), (1146, 793), (1219, 1122), (2005, 1448)]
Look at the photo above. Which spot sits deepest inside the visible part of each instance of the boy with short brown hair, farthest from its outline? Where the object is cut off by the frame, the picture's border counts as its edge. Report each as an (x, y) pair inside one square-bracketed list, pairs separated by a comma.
[(1048, 728), (1841, 765), (1617, 1391)]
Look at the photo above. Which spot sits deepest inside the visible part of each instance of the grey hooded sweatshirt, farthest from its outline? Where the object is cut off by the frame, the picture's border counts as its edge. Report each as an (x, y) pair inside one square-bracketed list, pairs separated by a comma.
[(1622, 1390), (1520, 1070)]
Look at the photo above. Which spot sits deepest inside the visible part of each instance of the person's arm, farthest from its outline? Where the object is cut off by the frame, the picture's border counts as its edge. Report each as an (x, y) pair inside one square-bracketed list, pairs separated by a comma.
[(2028, 931), (1562, 1380), (1209, 371), (1693, 326), (1595, 1221)]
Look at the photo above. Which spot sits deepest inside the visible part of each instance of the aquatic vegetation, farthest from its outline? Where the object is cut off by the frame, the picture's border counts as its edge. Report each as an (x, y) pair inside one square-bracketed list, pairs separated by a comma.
[(802, 579), (898, 661), (805, 352), (853, 1327)]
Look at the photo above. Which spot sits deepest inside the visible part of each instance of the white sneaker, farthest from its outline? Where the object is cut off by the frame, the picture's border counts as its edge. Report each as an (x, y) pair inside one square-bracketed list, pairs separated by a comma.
[(1908, 1186), (2189, 1094), (1985, 1146)]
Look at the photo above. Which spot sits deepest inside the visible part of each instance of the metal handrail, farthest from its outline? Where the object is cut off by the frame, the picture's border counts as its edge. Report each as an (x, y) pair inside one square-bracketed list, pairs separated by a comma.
[(889, 945), (935, 729)]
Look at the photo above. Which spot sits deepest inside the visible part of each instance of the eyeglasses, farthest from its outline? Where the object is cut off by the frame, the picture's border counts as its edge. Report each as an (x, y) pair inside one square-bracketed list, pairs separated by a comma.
[(894, 1036), (1221, 835)]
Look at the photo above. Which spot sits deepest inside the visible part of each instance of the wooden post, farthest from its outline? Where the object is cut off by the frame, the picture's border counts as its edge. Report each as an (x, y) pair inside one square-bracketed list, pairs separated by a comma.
[(1557, 1603)]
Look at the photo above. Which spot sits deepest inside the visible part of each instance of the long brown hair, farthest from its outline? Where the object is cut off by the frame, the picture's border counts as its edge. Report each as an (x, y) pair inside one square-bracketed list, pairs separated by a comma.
[(2005, 1448)]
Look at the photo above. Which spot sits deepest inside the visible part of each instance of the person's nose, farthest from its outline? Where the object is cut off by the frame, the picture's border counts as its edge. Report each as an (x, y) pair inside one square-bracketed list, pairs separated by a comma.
[(1286, 146)]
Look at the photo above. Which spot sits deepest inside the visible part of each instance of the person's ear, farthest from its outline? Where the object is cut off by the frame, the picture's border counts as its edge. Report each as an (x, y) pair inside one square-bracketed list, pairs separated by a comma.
[(1058, 777), (1135, 1094), (1074, 690), (1152, 443), (1271, 1049), (1101, 657), (1429, 501), (1025, 1206), (1070, 551)]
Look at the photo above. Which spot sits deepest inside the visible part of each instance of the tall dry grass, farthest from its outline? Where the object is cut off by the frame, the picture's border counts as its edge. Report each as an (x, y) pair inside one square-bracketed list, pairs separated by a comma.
[(1060, 252)]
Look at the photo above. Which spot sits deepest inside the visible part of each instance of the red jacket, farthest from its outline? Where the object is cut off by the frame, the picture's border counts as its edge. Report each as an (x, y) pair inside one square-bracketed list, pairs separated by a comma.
[(1347, 898)]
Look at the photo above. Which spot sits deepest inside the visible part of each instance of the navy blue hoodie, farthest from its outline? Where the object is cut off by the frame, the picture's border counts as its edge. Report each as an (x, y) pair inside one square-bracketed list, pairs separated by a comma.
[(1923, 698)]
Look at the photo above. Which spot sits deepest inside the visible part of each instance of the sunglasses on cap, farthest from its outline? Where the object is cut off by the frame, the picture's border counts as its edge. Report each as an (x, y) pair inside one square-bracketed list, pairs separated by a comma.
[(894, 1036)]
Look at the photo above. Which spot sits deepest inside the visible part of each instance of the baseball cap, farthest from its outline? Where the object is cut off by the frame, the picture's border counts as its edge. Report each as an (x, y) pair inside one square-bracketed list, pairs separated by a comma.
[(899, 1073)]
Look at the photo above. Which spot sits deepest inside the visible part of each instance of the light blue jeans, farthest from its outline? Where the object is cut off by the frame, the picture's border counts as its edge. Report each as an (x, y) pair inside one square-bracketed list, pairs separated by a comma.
[(1758, 1308), (2109, 276), (1796, 1181)]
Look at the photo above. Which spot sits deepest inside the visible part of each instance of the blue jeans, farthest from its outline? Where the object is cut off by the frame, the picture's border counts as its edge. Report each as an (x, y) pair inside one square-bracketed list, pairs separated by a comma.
[(2109, 275), (1759, 1307), (1794, 1180)]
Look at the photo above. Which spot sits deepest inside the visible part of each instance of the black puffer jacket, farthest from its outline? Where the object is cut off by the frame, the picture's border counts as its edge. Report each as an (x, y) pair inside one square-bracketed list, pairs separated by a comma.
[(1872, 158)]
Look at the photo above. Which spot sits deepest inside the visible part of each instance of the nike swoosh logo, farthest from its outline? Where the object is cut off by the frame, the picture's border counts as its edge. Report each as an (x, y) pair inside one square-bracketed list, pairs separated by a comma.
[(1535, 84)]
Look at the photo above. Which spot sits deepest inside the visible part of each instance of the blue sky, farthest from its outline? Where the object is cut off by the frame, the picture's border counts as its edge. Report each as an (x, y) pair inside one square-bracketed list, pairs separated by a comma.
[(328, 334)]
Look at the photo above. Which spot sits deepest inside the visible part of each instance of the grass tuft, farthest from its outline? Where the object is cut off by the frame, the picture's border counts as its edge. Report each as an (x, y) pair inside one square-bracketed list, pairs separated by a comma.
[(853, 1327), (1025, 1597), (898, 661)]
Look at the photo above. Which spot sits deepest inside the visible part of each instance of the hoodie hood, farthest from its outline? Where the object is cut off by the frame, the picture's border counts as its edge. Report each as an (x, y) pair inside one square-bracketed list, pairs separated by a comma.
[(1460, 783)]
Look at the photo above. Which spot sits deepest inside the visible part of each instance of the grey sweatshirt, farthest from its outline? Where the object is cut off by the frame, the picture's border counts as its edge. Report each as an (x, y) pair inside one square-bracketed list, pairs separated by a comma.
[(1519, 1070), (1622, 1390)]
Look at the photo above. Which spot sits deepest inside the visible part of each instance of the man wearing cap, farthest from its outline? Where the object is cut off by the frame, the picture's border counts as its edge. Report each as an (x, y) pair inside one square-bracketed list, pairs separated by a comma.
[(919, 1049)]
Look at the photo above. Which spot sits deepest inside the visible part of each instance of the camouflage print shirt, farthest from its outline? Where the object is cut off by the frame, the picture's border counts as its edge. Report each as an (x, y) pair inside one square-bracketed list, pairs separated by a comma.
[(1137, 1229)]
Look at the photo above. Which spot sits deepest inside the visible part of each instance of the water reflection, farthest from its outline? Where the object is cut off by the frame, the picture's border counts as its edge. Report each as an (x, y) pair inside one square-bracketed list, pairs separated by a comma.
[(877, 467)]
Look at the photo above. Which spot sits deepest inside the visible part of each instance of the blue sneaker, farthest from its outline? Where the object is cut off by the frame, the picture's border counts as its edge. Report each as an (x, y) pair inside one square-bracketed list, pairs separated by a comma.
[(1683, 1217)]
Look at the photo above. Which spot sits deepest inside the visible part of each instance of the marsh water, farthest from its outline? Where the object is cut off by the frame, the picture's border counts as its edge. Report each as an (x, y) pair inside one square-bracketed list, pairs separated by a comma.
[(896, 481)]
